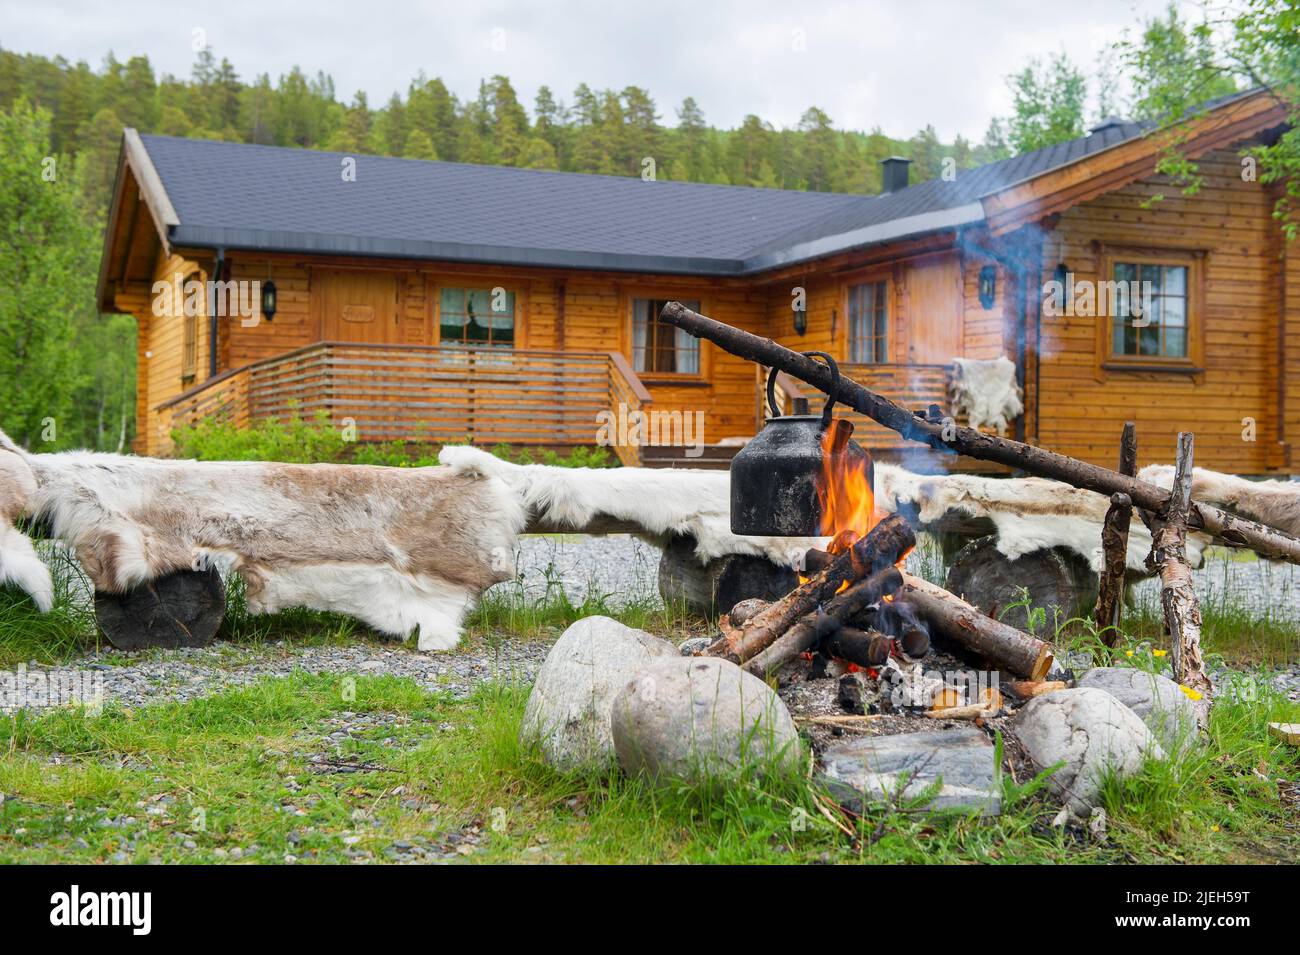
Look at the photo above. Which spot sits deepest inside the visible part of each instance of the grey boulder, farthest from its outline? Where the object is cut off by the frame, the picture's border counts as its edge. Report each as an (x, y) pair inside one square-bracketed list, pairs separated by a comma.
[(1091, 734), (568, 710), (899, 768), (695, 718), (1157, 700)]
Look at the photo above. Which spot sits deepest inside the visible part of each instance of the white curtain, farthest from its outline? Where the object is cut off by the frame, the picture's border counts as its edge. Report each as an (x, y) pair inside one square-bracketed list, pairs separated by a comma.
[(640, 322)]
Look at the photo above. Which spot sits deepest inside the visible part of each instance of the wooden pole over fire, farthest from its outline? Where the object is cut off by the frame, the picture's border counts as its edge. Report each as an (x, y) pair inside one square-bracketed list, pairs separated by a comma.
[(943, 435)]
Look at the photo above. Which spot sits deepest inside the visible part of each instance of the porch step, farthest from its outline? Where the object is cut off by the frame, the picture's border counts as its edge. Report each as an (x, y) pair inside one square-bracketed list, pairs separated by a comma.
[(713, 457)]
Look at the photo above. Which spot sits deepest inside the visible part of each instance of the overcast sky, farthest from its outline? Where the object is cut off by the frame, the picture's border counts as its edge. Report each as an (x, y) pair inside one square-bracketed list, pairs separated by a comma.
[(897, 64)]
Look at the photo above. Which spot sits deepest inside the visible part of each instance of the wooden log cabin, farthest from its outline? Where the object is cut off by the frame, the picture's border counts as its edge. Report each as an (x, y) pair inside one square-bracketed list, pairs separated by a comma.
[(450, 302)]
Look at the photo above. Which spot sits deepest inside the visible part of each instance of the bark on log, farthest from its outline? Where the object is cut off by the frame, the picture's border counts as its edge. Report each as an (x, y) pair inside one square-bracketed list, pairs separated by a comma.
[(950, 616), (862, 647), (1266, 541), (1054, 579), (809, 629), (1114, 544), (1177, 598), (887, 542), (1114, 549), (181, 609), (715, 587)]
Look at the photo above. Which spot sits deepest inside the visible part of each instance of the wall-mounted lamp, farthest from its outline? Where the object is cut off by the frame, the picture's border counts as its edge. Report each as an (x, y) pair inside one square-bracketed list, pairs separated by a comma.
[(801, 320), (988, 286), (1061, 277), (268, 300)]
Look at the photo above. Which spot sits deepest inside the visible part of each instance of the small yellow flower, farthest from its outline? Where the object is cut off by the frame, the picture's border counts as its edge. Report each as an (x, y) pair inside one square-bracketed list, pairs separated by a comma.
[(1214, 828), (1159, 653), (1191, 694), (1128, 652)]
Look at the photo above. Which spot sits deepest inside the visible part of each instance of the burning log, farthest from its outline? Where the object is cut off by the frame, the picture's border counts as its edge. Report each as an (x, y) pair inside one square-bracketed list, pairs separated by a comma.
[(1182, 615), (943, 435), (884, 546), (954, 618), (1114, 544), (863, 647), (805, 633)]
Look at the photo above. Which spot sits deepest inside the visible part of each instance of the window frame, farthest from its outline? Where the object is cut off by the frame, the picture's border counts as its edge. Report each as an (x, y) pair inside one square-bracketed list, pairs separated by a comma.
[(191, 330), (890, 338), (1191, 259), (475, 284), (630, 298)]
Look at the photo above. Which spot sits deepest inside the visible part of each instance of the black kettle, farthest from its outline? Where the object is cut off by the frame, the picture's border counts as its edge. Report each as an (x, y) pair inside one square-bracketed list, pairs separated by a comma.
[(777, 479)]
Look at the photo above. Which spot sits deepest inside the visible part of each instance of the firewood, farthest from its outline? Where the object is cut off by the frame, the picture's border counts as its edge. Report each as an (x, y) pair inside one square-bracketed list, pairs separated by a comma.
[(1114, 544), (952, 617), (863, 647), (810, 628), (886, 544), (1286, 732), (1028, 689), (942, 435), (1177, 597)]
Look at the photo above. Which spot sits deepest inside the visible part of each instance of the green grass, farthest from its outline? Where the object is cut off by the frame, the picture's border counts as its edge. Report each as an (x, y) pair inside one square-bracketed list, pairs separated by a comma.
[(233, 771)]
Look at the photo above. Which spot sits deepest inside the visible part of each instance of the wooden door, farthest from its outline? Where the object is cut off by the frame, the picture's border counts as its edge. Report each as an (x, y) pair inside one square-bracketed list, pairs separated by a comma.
[(357, 306), (934, 312)]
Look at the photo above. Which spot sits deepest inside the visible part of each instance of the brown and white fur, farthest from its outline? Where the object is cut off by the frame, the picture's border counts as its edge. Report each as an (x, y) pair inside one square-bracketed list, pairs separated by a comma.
[(398, 548)]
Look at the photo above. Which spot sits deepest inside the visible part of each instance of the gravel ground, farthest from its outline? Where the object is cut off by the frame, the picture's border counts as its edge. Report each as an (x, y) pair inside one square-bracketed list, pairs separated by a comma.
[(621, 567)]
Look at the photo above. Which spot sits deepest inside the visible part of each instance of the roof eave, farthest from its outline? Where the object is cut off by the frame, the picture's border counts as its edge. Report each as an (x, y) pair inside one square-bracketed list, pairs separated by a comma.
[(909, 227), (315, 243)]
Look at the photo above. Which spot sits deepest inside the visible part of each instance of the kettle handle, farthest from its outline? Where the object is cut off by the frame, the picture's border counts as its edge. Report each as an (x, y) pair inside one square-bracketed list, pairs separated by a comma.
[(830, 399)]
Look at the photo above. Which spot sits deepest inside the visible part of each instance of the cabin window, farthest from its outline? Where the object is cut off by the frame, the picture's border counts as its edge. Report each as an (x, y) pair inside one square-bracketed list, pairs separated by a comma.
[(477, 316), (657, 347), (868, 323), (190, 342), (1149, 311)]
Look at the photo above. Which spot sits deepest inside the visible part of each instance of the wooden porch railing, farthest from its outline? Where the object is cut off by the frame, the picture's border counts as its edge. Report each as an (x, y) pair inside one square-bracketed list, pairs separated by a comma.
[(915, 386), (439, 394)]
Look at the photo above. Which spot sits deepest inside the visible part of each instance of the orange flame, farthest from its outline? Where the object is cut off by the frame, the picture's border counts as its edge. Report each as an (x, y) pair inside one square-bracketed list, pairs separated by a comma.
[(847, 499)]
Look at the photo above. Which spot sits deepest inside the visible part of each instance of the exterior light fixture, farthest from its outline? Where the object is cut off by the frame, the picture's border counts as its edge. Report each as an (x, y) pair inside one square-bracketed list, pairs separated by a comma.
[(1061, 278), (988, 286), (801, 320), (268, 300)]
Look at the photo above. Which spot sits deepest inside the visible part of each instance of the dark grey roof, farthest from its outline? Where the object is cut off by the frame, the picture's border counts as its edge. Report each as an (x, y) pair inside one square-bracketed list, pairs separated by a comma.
[(241, 196)]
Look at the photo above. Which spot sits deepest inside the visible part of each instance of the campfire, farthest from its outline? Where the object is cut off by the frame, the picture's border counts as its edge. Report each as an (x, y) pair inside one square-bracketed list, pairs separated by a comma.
[(855, 609)]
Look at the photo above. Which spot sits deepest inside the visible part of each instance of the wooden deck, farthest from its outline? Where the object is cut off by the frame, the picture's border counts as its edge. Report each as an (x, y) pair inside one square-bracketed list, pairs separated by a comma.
[(521, 397), (439, 394)]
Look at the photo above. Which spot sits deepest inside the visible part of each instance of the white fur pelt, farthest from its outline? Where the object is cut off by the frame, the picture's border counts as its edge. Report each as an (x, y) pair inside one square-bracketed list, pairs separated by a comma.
[(1275, 503), (1029, 514), (398, 548), (985, 391), (660, 501)]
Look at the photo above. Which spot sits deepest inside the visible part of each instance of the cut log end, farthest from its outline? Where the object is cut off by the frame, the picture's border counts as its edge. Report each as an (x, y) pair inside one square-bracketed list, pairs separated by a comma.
[(180, 609), (1058, 581)]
